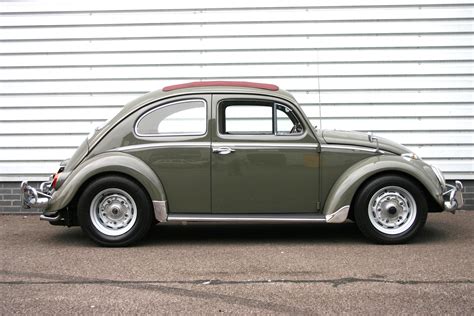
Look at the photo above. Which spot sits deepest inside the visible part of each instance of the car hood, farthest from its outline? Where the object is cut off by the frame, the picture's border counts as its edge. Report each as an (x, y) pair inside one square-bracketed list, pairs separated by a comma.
[(361, 139)]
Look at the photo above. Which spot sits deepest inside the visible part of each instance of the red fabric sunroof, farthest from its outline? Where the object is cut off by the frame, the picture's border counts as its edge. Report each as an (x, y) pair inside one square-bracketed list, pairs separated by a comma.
[(245, 84)]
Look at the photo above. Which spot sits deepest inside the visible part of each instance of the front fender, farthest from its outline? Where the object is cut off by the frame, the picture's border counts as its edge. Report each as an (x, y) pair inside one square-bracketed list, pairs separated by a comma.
[(344, 189), (116, 162)]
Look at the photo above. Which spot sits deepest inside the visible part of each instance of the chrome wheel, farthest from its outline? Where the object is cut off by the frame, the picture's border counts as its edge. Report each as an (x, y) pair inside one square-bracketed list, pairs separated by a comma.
[(392, 210), (113, 212)]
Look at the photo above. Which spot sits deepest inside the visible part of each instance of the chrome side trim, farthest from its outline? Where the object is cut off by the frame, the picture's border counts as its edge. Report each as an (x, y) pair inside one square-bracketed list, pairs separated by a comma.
[(161, 211), (163, 145), (215, 144), (339, 216), (271, 218), (349, 147), (265, 144)]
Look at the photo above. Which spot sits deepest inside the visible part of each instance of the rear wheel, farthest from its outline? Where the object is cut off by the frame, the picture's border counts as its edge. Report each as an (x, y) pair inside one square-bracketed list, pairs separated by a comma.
[(390, 209), (114, 211)]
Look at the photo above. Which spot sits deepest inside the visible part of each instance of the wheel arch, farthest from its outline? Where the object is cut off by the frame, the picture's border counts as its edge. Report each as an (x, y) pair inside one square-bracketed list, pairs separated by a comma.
[(116, 163), (347, 186), (433, 206)]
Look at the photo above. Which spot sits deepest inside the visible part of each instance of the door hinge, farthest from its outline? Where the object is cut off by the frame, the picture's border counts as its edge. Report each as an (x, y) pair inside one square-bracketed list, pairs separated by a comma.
[(318, 206)]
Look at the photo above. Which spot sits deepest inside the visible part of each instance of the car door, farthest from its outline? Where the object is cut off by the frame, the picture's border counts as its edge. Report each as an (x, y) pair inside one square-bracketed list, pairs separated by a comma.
[(265, 158)]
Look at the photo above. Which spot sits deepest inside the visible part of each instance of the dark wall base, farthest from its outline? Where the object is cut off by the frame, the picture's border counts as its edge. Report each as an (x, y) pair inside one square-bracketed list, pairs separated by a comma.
[(10, 197), (10, 201), (468, 194)]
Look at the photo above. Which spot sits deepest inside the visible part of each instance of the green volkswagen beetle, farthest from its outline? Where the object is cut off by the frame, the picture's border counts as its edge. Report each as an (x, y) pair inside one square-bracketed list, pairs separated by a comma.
[(237, 152)]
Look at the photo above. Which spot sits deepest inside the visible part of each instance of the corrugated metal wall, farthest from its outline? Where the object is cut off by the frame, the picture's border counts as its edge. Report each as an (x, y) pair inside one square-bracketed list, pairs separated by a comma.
[(403, 69)]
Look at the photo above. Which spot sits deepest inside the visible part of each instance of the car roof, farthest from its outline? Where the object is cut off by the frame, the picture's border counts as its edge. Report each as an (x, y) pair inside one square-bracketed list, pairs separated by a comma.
[(187, 90), (209, 87)]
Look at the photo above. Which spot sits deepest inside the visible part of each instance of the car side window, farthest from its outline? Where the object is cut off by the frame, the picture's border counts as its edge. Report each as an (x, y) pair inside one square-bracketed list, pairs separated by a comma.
[(257, 118), (249, 119), (178, 118)]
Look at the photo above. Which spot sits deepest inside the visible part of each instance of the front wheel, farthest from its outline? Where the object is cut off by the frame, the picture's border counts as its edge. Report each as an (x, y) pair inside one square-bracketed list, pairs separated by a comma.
[(114, 211), (390, 209)]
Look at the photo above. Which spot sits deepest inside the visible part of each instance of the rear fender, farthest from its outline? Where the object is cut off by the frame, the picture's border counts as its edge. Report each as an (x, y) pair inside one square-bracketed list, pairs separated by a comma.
[(110, 162)]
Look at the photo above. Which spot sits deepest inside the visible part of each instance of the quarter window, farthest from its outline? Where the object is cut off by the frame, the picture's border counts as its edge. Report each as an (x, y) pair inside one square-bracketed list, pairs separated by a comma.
[(177, 118), (284, 124)]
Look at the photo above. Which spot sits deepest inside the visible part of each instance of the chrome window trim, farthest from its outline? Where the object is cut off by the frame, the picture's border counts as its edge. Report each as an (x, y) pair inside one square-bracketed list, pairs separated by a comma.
[(274, 134), (158, 107), (297, 117), (356, 148)]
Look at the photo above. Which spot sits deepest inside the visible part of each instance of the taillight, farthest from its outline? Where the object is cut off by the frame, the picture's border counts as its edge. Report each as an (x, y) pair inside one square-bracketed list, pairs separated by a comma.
[(55, 180)]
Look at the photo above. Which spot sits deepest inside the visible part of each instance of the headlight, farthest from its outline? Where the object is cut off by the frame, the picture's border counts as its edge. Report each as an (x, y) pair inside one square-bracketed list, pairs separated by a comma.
[(440, 176), (411, 156)]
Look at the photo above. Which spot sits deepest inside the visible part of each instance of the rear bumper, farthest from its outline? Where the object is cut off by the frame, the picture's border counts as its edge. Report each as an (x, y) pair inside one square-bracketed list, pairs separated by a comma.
[(453, 198), (33, 198), (38, 198)]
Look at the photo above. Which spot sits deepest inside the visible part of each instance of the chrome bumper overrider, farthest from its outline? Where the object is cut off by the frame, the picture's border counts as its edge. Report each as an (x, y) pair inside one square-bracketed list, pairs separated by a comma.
[(453, 199), (32, 198)]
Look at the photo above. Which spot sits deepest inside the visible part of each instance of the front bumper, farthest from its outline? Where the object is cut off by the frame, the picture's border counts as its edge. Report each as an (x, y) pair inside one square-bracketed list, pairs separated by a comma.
[(453, 199)]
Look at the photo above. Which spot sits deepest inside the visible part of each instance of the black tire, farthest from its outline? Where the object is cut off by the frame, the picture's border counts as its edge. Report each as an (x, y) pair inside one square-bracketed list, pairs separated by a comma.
[(390, 200), (119, 202)]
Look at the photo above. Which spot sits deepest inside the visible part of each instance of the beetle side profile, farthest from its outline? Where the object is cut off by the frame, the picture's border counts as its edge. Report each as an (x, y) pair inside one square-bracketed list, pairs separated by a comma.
[(236, 151)]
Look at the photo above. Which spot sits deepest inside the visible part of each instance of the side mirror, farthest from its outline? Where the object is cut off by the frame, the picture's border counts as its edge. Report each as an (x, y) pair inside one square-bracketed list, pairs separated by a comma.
[(373, 138)]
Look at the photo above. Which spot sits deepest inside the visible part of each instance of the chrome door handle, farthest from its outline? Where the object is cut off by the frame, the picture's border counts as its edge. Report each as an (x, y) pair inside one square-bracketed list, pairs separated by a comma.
[(222, 150)]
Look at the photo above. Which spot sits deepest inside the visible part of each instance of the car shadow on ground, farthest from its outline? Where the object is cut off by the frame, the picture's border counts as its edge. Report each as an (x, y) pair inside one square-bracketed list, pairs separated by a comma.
[(251, 233), (270, 233)]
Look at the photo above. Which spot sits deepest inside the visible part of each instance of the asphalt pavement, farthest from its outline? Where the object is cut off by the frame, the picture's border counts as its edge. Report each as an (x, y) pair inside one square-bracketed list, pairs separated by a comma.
[(239, 269)]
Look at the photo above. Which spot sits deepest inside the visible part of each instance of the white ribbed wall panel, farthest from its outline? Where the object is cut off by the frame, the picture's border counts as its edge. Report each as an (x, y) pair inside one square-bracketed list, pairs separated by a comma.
[(403, 69)]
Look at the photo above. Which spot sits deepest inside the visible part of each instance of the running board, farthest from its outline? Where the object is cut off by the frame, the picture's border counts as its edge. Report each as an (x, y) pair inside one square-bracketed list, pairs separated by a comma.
[(162, 215), (271, 218)]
